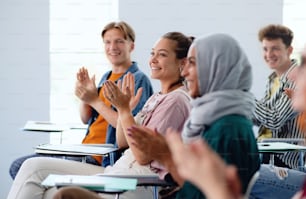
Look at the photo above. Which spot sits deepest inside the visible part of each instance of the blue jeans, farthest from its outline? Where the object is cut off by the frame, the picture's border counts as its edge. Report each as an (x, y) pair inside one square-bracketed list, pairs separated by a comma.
[(15, 166), (277, 183)]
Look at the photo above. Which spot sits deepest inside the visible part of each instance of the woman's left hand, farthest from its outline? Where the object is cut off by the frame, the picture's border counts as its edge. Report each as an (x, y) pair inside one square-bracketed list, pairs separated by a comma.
[(122, 95), (128, 86), (113, 94)]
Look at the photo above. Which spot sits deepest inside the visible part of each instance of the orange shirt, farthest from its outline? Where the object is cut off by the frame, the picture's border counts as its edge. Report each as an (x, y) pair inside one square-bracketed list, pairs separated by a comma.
[(98, 129), (302, 122)]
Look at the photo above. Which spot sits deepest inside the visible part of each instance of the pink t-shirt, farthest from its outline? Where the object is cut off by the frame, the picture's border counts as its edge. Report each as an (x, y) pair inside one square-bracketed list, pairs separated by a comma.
[(163, 111)]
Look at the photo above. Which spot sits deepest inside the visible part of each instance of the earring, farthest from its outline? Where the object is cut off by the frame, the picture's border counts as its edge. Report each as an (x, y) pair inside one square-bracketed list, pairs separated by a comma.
[(181, 68)]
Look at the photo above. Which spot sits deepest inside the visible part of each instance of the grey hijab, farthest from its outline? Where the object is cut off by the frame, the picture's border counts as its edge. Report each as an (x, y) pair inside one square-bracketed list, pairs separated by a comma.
[(225, 79)]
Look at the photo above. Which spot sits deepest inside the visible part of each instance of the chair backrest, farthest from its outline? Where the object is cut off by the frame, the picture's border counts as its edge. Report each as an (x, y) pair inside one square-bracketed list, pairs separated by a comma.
[(251, 184)]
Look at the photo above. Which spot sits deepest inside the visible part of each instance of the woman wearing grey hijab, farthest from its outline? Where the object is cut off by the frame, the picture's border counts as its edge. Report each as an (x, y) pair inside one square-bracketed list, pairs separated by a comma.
[(219, 79), (224, 78)]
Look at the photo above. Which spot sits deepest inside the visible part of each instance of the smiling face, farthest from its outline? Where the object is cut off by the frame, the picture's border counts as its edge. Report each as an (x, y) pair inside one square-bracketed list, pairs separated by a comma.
[(190, 73), (117, 48), (163, 62), (276, 55)]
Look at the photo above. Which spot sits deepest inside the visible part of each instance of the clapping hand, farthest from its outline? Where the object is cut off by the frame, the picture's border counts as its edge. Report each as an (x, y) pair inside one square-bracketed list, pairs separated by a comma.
[(199, 164), (150, 142), (85, 88), (123, 95)]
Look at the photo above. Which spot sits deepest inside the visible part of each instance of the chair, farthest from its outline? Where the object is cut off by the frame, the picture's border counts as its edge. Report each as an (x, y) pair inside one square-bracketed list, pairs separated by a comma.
[(251, 184)]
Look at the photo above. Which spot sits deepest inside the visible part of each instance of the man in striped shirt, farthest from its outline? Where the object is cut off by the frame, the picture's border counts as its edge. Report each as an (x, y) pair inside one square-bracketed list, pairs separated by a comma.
[(274, 113)]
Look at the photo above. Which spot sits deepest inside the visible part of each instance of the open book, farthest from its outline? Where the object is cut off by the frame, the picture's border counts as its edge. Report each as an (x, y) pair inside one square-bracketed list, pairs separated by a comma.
[(92, 182)]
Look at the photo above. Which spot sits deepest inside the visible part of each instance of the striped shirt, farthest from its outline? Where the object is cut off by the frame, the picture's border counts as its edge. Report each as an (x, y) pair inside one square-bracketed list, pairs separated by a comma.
[(276, 113)]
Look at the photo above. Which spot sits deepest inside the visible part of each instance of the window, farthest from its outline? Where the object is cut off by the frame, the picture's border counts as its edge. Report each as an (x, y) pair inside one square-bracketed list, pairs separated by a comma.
[(294, 16), (75, 41)]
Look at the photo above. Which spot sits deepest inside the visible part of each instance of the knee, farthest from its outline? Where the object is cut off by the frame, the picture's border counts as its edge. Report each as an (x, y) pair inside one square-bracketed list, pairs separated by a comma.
[(33, 166), (16, 164), (30, 164)]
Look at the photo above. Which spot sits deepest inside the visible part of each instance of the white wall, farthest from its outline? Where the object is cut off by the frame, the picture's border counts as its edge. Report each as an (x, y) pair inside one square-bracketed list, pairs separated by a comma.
[(240, 18), (24, 78)]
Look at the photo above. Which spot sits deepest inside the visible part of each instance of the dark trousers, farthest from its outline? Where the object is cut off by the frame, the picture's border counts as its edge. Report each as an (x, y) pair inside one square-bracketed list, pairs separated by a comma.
[(277, 162)]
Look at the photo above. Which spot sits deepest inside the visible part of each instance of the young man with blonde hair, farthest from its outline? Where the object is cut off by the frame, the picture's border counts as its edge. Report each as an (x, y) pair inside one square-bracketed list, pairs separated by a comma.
[(95, 109)]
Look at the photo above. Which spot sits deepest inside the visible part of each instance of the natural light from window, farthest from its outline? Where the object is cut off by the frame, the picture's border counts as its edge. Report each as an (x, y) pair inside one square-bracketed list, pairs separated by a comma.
[(294, 16), (75, 41)]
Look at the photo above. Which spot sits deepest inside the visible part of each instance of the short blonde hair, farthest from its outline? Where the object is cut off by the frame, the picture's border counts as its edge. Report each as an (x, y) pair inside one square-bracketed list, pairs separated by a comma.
[(125, 28)]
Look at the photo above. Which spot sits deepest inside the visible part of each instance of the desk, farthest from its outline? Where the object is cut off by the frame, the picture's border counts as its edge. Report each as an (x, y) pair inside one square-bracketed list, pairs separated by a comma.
[(53, 128), (101, 184), (281, 147), (278, 147), (78, 150)]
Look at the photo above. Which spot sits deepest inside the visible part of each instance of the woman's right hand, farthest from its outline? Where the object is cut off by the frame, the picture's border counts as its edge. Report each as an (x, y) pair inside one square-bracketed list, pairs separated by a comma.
[(128, 86), (198, 163), (122, 95)]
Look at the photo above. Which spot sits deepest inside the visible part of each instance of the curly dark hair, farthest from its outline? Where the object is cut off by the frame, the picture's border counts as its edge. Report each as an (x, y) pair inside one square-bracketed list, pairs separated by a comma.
[(275, 31)]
